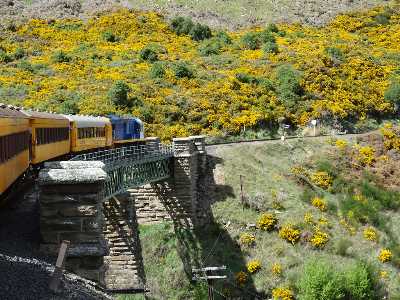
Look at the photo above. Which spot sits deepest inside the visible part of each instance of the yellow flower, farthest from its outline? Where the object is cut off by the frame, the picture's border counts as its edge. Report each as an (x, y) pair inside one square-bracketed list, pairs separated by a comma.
[(282, 294), (247, 239), (370, 234), (341, 144), (253, 266), (276, 269), (308, 218), (384, 274), (241, 278), (290, 233), (319, 239), (322, 179), (385, 255), (319, 203), (366, 155), (267, 221)]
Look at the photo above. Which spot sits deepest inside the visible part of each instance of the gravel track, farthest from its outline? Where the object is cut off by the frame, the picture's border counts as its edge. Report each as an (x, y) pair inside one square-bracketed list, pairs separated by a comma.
[(24, 272)]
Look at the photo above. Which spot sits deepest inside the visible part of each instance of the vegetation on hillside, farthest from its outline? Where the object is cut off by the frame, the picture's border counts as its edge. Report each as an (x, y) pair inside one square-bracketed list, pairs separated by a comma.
[(319, 222), (181, 78)]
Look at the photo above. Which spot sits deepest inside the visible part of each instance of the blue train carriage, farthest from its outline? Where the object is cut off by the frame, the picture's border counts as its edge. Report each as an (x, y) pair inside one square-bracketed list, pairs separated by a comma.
[(88, 132), (126, 130), (14, 145)]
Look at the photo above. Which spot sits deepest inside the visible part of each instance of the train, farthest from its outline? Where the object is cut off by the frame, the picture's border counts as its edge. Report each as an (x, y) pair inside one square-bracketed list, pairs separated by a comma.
[(28, 138)]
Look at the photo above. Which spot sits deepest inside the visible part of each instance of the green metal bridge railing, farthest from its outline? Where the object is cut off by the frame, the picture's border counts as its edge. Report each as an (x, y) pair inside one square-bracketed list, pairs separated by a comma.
[(131, 166)]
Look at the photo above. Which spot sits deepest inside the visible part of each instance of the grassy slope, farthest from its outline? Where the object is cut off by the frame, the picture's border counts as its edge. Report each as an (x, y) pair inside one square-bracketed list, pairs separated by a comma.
[(265, 167)]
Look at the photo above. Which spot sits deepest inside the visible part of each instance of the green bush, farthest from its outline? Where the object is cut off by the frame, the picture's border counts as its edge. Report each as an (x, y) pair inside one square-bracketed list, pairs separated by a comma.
[(181, 25), (251, 41), (335, 54), (288, 85), (25, 65), (272, 28), (118, 94), (148, 54), (210, 47), (246, 78), (19, 53), (109, 36), (392, 94), (4, 57), (325, 281), (224, 38), (200, 32), (266, 36), (270, 47), (183, 70), (60, 57), (157, 70)]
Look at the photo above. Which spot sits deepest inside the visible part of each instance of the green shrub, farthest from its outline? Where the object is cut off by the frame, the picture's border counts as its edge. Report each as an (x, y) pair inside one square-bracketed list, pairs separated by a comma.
[(4, 57), (383, 18), (223, 37), (109, 36), (181, 25), (60, 57), (25, 65), (392, 94), (341, 246), (385, 198), (200, 32), (148, 54), (359, 283), (266, 36), (246, 78), (320, 281), (251, 41), (272, 28), (335, 54), (270, 47), (183, 70), (19, 53), (288, 85), (157, 70), (118, 94), (210, 47)]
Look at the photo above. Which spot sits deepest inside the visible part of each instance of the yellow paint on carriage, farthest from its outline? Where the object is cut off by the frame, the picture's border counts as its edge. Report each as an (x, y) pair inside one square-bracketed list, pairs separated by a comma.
[(83, 144)]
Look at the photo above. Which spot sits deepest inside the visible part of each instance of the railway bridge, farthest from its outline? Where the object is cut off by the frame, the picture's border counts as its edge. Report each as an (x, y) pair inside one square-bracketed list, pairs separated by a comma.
[(96, 201)]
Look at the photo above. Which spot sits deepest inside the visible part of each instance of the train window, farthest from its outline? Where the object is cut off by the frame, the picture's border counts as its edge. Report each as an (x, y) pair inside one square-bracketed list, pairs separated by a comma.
[(13, 144), (51, 135)]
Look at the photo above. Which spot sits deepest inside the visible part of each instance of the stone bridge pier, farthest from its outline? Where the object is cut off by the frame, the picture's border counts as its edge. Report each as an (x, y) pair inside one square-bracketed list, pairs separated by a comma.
[(105, 244)]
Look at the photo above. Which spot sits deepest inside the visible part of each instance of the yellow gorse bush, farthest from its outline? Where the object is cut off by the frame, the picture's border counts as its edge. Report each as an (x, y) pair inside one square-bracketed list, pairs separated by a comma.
[(385, 255), (213, 101), (267, 221), (290, 233), (319, 203), (391, 137), (366, 155), (341, 144), (247, 239), (282, 294), (253, 266), (276, 269), (241, 278), (321, 179), (319, 239), (370, 234)]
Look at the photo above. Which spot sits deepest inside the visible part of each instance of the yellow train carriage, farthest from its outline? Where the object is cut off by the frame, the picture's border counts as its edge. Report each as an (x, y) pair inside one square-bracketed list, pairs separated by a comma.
[(14, 145), (50, 135), (89, 132)]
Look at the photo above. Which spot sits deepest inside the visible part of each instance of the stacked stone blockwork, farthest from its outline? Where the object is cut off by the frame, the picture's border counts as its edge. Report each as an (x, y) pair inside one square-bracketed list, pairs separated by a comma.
[(71, 209)]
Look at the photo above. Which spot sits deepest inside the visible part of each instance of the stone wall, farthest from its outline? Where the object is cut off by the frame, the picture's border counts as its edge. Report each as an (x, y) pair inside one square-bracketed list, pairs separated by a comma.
[(71, 209)]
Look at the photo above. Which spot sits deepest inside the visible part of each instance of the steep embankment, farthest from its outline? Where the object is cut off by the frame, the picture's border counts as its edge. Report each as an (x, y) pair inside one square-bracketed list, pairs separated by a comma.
[(308, 203)]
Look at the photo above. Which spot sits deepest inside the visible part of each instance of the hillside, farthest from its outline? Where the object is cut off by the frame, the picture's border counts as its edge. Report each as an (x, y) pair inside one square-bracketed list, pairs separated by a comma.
[(320, 222), (181, 78)]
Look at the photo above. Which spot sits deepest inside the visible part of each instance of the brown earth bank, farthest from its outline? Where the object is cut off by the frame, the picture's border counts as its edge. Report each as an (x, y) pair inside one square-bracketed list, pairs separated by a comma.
[(228, 14)]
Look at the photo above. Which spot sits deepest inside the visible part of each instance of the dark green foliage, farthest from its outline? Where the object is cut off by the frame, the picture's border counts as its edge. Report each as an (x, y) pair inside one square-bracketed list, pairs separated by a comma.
[(223, 37), (246, 78), (210, 47), (384, 198), (383, 18), (183, 70), (60, 57), (147, 112), (322, 280), (4, 57), (200, 32), (266, 36), (157, 70), (109, 36), (392, 94), (251, 41), (25, 65), (288, 85), (118, 94), (341, 246), (148, 54), (197, 32), (270, 47), (272, 28), (335, 54), (19, 53)]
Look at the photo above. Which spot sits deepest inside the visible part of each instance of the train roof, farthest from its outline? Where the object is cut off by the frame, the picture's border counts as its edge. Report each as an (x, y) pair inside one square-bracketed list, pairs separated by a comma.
[(43, 115), (87, 121), (116, 118), (9, 111)]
